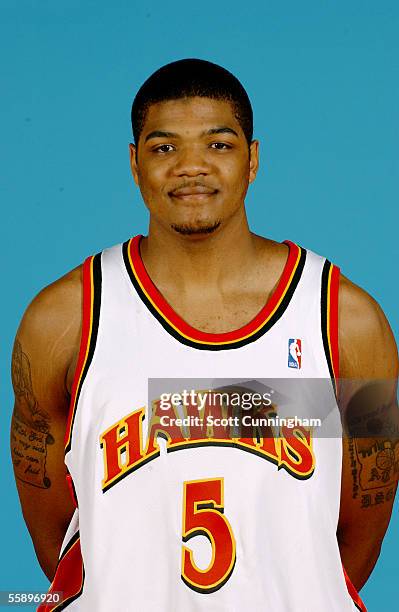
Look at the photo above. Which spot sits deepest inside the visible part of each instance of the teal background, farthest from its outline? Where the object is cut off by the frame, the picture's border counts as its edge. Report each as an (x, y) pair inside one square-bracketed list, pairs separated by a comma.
[(323, 79)]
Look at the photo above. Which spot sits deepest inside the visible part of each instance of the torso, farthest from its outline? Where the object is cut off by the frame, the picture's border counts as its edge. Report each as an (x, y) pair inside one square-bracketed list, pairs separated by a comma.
[(132, 346)]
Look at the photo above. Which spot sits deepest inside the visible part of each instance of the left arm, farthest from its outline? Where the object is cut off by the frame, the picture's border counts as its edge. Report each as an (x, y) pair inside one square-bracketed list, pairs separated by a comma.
[(368, 404)]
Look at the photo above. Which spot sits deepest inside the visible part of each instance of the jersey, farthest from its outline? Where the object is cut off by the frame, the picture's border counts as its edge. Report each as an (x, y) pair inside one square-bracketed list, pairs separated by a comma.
[(177, 510)]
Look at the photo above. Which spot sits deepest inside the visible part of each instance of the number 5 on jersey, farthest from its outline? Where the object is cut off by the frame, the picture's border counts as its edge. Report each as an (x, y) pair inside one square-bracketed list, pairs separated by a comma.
[(203, 509)]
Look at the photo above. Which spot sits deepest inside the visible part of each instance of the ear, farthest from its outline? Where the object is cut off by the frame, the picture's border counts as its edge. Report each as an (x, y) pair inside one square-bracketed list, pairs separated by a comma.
[(133, 162), (253, 160)]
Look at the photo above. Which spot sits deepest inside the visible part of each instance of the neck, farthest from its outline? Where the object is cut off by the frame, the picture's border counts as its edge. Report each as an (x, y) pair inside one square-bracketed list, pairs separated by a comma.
[(200, 261)]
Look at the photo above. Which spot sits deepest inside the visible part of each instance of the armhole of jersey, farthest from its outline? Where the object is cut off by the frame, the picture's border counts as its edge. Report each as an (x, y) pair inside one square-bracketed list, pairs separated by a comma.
[(90, 318), (329, 318), (68, 579)]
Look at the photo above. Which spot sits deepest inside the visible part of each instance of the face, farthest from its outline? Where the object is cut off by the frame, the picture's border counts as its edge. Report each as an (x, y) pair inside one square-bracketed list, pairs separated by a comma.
[(193, 165)]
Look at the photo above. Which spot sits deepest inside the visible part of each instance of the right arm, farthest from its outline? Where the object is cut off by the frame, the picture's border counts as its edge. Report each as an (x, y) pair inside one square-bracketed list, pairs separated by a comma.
[(43, 362)]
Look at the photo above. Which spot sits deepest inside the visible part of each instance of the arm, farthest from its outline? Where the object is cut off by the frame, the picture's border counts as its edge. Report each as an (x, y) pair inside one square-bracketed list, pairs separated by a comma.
[(43, 361), (367, 398)]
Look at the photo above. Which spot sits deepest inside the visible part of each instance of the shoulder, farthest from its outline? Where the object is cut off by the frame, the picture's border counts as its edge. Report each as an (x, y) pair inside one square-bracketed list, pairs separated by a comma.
[(50, 328), (55, 304), (366, 343)]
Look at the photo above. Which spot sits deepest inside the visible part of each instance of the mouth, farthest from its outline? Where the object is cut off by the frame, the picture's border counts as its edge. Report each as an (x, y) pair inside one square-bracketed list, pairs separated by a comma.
[(195, 193)]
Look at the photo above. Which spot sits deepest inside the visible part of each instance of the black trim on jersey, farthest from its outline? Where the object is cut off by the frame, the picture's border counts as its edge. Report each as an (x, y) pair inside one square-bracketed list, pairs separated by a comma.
[(222, 346), (97, 283), (324, 308)]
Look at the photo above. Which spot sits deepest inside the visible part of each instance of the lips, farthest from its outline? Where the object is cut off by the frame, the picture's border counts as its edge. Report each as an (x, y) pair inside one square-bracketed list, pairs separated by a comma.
[(191, 191)]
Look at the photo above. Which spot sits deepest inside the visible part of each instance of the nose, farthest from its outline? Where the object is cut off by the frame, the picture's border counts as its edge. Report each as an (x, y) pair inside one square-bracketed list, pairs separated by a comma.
[(191, 161)]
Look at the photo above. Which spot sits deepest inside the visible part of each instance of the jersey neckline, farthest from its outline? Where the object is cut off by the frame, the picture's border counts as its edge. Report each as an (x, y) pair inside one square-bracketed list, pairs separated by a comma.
[(184, 332)]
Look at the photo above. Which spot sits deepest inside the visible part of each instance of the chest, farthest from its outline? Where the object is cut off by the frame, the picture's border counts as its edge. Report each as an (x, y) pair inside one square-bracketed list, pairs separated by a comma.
[(218, 312)]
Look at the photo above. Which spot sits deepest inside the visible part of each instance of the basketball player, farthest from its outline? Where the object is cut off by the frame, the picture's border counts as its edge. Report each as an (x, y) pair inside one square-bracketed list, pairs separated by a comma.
[(120, 522)]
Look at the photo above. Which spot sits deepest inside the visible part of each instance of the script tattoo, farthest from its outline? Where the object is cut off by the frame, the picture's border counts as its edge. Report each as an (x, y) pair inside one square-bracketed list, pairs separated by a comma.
[(30, 427)]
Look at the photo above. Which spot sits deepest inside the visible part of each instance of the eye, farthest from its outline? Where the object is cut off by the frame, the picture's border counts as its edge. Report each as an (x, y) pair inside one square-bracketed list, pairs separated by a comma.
[(220, 146), (164, 148)]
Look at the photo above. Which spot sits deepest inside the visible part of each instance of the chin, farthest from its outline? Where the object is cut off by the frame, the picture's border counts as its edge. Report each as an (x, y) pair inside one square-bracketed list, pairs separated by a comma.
[(196, 229)]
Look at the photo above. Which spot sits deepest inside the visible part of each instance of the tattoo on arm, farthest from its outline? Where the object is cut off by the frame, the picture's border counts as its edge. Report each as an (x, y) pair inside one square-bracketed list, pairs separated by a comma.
[(374, 471), (373, 450), (30, 427)]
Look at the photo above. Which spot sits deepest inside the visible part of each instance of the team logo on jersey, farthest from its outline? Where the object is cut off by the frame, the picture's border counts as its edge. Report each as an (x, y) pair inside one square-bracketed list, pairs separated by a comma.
[(126, 449), (295, 353)]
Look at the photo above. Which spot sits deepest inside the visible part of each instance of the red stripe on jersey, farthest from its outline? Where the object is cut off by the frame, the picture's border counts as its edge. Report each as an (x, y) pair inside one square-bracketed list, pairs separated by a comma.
[(334, 289), (68, 578), (71, 489), (87, 316), (353, 593)]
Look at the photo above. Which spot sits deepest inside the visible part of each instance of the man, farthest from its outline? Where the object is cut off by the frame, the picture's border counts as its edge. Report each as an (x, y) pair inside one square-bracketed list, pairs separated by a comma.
[(201, 297)]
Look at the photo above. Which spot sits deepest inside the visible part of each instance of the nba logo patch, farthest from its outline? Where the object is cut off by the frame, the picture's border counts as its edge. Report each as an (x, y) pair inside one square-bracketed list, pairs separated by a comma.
[(294, 353)]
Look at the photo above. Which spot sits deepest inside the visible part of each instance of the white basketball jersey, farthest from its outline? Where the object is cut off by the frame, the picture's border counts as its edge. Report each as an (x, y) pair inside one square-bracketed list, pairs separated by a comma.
[(181, 515)]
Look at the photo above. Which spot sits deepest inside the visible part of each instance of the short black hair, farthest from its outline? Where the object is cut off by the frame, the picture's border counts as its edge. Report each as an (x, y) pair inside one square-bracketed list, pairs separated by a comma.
[(187, 78)]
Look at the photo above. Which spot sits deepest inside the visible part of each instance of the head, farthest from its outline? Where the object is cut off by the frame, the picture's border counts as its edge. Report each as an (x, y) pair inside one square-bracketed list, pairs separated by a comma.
[(193, 155)]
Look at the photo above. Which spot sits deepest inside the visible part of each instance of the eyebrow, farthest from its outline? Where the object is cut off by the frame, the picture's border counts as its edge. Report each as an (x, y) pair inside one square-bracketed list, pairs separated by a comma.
[(217, 130), (221, 130), (160, 134)]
